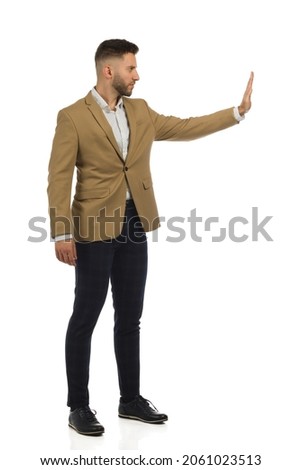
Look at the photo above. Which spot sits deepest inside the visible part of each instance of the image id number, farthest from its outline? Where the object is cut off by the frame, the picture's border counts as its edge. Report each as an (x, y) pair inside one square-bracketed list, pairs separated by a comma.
[(238, 460)]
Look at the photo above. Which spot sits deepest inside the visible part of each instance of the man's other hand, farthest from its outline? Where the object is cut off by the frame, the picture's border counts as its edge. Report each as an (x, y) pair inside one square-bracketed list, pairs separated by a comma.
[(65, 251)]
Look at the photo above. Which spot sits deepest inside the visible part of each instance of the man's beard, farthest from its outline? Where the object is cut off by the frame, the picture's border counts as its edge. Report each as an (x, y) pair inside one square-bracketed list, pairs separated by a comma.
[(121, 87)]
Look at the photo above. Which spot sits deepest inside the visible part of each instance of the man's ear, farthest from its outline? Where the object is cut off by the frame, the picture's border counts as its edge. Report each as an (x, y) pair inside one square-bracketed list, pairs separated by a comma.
[(107, 71)]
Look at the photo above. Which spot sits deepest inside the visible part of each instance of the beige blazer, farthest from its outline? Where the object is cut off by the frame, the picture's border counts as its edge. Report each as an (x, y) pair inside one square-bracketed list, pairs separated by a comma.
[(84, 140)]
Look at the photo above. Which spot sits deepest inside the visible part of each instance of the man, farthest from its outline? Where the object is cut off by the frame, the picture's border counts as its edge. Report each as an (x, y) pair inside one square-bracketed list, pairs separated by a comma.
[(107, 137)]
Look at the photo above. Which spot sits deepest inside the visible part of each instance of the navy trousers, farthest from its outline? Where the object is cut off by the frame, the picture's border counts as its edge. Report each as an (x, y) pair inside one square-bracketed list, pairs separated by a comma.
[(123, 262)]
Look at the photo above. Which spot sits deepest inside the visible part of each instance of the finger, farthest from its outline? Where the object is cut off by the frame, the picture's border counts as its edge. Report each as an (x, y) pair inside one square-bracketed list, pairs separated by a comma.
[(69, 258), (71, 255), (72, 260), (74, 253), (250, 83), (59, 255)]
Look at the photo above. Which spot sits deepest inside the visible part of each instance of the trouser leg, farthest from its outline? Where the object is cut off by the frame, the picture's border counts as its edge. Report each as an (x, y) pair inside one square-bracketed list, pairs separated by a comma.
[(94, 261), (128, 279)]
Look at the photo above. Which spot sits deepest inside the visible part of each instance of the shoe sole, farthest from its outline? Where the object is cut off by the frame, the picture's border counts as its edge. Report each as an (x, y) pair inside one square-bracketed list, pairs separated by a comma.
[(143, 420), (96, 433)]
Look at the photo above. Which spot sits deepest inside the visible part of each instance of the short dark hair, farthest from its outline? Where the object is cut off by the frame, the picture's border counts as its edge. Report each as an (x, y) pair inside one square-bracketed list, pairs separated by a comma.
[(114, 48)]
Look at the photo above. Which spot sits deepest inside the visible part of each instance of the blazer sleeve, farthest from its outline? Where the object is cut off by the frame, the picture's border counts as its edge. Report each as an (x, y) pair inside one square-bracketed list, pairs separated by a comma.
[(174, 128), (61, 169)]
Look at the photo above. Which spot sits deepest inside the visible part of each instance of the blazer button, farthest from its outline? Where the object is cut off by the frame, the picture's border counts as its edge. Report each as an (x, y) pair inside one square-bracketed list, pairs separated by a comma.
[(125, 168)]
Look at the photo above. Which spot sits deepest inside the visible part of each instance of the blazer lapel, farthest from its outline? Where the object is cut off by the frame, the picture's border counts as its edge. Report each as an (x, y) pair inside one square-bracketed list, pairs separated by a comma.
[(102, 121), (132, 124)]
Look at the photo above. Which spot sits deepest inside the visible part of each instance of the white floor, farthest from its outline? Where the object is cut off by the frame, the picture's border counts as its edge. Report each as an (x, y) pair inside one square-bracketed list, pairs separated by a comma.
[(223, 367), (215, 422)]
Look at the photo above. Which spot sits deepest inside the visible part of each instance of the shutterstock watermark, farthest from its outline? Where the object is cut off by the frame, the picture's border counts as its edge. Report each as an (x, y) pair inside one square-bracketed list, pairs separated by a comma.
[(232, 230), (238, 229)]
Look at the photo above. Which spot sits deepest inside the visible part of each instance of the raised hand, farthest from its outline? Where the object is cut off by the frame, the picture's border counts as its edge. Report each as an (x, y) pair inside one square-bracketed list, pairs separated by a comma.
[(245, 105)]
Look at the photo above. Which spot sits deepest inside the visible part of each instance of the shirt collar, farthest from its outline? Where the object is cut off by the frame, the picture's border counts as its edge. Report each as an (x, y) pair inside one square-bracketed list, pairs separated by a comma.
[(103, 104)]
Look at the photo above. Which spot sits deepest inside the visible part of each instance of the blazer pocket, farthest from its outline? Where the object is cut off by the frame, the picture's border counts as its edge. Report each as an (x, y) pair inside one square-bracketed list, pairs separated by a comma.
[(92, 194), (141, 122), (147, 183)]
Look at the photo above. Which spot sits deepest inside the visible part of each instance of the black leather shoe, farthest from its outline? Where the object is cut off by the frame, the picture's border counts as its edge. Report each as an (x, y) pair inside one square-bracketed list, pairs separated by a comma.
[(142, 410), (84, 422)]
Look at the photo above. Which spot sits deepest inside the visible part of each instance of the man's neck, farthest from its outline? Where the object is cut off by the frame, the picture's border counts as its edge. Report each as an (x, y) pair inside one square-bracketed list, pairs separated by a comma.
[(110, 98)]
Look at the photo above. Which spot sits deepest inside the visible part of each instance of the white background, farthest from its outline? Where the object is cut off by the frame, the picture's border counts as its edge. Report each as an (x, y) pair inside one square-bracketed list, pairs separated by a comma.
[(220, 331)]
